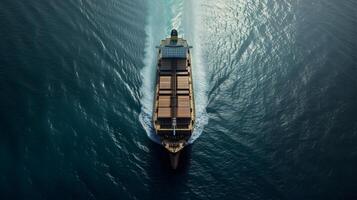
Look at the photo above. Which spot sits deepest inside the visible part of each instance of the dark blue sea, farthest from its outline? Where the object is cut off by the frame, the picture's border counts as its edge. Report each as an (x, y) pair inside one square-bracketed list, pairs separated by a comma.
[(275, 85)]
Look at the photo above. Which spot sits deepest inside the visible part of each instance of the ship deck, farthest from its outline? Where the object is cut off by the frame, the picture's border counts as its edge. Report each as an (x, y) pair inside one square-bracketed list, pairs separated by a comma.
[(174, 100)]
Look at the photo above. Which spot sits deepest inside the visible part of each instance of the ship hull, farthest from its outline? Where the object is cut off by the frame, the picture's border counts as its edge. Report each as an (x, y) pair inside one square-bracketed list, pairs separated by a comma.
[(174, 110)]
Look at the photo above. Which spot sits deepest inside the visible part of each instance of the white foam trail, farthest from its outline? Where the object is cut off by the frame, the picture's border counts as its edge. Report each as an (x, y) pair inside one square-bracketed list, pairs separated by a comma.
[(193, 29), (148, 72), (183, 15), (176, 16)]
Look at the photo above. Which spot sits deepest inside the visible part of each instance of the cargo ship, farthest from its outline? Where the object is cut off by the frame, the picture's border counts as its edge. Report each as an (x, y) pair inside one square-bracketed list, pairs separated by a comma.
[(174, 109)]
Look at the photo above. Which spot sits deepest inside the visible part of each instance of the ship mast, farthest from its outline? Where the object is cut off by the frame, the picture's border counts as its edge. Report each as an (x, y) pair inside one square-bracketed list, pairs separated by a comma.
[(173, 40)]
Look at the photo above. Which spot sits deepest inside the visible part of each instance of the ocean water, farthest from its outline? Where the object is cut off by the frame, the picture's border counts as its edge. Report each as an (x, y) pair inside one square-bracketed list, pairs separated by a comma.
[(275, 90)]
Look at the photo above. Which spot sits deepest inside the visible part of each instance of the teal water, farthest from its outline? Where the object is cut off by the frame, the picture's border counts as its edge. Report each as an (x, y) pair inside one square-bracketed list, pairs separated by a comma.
[(275, 89)]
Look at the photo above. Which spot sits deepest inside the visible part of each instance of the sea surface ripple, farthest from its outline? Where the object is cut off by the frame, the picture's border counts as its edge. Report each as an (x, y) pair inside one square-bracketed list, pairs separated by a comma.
[(275, 89)]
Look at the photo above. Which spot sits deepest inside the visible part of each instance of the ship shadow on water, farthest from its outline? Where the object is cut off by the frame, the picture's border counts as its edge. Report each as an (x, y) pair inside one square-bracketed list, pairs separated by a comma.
[(167, 182), (161, 156)]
